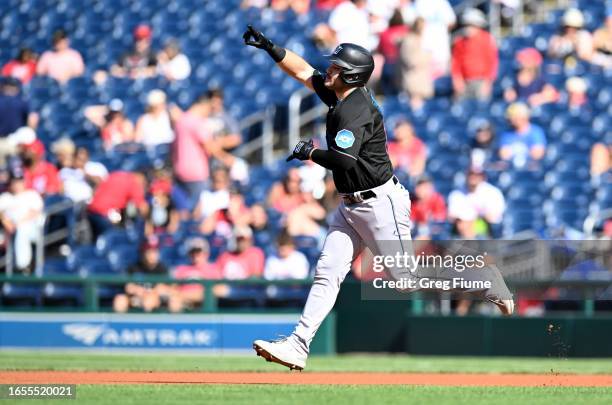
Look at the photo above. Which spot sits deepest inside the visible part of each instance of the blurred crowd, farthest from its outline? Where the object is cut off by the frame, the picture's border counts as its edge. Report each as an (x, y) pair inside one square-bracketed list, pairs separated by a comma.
[(198, 187)]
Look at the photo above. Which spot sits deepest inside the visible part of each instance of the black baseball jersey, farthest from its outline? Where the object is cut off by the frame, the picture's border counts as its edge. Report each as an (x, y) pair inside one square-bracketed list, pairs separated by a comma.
[(355, 129)]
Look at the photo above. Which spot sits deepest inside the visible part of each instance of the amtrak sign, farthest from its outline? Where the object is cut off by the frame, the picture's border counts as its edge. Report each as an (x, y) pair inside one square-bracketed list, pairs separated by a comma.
[(89, 334), (211, 333)]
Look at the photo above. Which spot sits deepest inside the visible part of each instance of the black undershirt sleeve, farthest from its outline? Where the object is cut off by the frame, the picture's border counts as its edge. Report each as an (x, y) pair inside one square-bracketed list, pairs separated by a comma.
[(333, 160)]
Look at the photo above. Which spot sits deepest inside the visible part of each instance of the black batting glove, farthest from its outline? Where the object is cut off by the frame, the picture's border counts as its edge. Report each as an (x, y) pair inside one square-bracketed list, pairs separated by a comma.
[(255, 38), (302, 150)]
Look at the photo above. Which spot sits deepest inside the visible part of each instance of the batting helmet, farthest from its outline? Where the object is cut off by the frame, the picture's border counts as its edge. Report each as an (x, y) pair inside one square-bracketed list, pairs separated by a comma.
[(357, 63)]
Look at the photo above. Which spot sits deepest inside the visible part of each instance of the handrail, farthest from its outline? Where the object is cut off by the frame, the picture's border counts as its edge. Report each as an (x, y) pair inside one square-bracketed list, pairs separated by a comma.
[(266, 141), (297, 119)]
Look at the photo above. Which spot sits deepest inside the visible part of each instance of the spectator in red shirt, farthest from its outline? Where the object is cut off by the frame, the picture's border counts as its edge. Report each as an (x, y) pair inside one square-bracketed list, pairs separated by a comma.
[(244, 260), (391, 38), (428, 205), (190, 295), (408, 153), (39, 174), (23, 67), (474, 58), (112, 197)]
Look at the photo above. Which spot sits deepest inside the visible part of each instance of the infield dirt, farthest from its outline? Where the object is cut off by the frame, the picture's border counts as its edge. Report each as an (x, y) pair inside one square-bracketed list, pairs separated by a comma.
[(438, 379)]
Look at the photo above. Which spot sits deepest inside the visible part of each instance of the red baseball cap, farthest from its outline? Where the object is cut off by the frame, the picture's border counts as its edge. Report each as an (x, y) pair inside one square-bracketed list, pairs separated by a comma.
[(143, 31), (161, 186), (529, 57), (36, 147)]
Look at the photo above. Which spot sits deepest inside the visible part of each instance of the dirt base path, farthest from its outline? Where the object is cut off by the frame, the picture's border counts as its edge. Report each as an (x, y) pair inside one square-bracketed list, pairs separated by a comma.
[(154, 377)]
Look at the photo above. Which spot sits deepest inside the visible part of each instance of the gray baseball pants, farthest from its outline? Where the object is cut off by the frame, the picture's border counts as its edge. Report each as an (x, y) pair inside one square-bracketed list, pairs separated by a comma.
[(383, 225)]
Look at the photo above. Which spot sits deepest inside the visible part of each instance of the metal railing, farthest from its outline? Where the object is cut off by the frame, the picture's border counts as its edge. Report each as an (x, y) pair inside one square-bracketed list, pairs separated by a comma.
[(298, 119), (265, 142)]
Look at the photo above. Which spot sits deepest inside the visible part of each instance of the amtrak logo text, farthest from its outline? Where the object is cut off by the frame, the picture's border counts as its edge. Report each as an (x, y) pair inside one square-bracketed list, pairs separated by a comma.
[(90, 334)]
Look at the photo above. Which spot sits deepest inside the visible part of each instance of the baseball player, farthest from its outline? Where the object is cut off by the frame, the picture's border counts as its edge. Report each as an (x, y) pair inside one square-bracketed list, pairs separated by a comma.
[(375, 208)]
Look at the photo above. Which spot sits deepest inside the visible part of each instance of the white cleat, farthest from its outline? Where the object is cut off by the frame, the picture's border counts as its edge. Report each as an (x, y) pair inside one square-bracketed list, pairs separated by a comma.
[(505, 306), (282, 352)]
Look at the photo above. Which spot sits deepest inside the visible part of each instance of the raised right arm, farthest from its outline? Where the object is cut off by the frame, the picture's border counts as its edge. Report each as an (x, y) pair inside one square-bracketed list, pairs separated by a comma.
[(291, 63)]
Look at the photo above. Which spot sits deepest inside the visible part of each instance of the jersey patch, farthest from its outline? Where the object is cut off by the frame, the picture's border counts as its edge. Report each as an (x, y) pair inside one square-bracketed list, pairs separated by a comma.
[(345, 139)]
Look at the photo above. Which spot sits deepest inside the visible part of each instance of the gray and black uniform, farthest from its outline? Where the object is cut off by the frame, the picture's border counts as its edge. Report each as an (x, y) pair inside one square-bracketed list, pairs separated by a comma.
[(356, 132), (375, 207)]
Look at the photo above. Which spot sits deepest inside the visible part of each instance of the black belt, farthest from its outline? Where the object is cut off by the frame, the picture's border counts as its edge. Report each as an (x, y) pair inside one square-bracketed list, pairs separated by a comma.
[(361, 196)]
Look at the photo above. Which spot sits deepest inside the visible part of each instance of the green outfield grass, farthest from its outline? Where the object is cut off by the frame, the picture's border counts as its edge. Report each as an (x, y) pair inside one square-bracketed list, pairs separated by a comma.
[(365, 363), (318, 394)]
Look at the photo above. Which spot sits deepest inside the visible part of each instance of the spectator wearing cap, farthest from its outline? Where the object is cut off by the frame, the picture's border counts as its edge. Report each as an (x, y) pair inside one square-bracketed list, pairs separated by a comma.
[(602, 42), (21, 216), (243, 260), (23, 67), (115, 127), (154, 127), (525, 142), (39, 174), (577, 98), (573, 42), (484, 198), (529, 84), (15, 111), (199, 268), (414, 73), (140, 62), (62, 63), (474, 58), (148, 296), (288, 263), (407, 152), (163, 217), (428, 205), (111, 199), (483, 147), (172, 63)]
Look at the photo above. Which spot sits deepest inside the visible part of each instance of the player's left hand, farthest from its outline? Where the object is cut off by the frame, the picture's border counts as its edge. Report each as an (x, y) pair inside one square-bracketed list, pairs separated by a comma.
[(302, 150)]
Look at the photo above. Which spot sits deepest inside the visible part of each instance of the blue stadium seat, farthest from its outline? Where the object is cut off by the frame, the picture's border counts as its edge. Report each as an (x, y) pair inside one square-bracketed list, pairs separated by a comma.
[(79, 256), (17, 294), (121, 257), (111, 239)]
